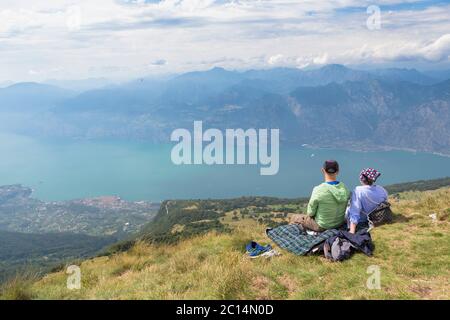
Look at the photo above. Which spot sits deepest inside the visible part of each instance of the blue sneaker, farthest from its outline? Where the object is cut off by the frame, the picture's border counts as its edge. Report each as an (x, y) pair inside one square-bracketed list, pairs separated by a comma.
[(254, 249)]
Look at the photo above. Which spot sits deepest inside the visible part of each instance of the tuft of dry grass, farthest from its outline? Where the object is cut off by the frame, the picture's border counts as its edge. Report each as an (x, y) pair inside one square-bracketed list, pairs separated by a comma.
[(19, 287)]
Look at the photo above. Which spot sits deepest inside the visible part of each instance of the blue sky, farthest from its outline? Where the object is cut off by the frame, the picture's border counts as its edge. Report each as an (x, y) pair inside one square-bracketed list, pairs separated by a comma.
[(122, 39)]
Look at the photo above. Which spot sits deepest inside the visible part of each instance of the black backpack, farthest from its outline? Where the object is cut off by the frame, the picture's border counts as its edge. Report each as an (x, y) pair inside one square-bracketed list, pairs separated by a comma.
[(380, 215)]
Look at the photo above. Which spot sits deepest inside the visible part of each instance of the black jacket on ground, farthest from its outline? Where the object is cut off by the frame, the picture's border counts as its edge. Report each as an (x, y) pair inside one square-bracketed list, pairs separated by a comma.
[(342, 245)]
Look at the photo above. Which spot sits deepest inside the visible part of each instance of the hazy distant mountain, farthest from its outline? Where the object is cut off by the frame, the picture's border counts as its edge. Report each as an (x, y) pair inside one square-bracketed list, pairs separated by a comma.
[(81, 85), (31, 97), (376, 113), (4, 84), (439, 75), (409, 75), (284, 80), (333, 105)]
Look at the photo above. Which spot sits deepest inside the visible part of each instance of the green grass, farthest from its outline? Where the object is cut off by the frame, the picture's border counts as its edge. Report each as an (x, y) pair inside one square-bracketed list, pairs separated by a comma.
[(413, 254), (19, 287)]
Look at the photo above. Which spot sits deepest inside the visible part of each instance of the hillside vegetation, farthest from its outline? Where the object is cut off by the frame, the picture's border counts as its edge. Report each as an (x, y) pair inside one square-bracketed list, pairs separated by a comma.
[(181, 219), (40, 252), (413, 254)]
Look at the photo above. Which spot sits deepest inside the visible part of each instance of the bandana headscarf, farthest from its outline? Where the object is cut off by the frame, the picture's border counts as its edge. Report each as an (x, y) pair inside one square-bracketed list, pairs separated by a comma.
[(369, 175)]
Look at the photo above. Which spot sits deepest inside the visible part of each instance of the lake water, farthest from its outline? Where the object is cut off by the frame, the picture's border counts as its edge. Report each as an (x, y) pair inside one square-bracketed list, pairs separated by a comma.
[(62, 170)]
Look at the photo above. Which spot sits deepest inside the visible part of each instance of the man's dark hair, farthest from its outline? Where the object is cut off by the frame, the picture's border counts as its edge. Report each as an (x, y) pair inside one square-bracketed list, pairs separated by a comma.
[(331, 166)]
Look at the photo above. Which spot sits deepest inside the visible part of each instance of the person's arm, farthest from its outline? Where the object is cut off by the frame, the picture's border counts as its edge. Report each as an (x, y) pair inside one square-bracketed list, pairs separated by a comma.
[(313, 204), (353, 227), (354, 212)]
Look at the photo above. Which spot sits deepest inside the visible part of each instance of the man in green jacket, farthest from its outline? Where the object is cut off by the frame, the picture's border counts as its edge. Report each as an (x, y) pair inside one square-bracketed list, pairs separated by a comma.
[(326, 207)]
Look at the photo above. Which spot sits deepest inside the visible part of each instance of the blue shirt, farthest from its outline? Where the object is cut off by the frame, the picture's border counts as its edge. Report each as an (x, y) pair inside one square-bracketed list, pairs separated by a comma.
[(364, 199)]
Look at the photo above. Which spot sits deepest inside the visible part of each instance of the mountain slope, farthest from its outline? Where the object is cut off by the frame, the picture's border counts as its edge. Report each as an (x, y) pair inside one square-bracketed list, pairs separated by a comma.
[(42, 251), (31, 97), (181, 219), (413, 254), (375, 113), (410, 75)]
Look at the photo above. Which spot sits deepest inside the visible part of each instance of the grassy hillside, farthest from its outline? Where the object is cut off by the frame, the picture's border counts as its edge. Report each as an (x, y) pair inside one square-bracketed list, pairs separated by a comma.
[(182, 219), (413, 254), (421, 185), (40, 252)]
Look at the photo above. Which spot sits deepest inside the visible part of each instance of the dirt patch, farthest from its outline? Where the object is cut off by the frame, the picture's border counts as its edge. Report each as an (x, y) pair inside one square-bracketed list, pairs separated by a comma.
[(289, 283), (434, 288), (190, 208), (177, 228), (421, 290), (260, 286)]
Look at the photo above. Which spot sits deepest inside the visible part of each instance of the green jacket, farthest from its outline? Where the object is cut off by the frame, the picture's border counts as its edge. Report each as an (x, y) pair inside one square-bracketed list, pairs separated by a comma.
[(328, 203)]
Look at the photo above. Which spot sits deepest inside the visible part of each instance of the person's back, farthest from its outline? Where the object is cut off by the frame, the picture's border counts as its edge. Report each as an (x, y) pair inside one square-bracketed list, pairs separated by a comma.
[(365, 198), (328, 203), (326, 207)]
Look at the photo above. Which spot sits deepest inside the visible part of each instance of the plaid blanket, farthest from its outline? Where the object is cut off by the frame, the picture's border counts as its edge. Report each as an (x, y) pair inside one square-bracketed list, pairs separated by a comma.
[(294, 239)]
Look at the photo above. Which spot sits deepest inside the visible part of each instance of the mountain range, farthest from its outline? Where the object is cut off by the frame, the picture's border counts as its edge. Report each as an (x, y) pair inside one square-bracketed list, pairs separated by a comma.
[(331, 106)]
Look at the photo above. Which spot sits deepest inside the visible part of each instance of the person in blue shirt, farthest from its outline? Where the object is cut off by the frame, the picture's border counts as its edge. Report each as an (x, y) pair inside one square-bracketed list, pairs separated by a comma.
[(365, 198)]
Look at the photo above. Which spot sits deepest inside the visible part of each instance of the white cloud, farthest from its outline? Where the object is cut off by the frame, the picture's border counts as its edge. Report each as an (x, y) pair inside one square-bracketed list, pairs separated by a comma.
[(300, 62), (438, 50), (323, 59), (85, 37), (14, 22), (434, 51), (277, 59)]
